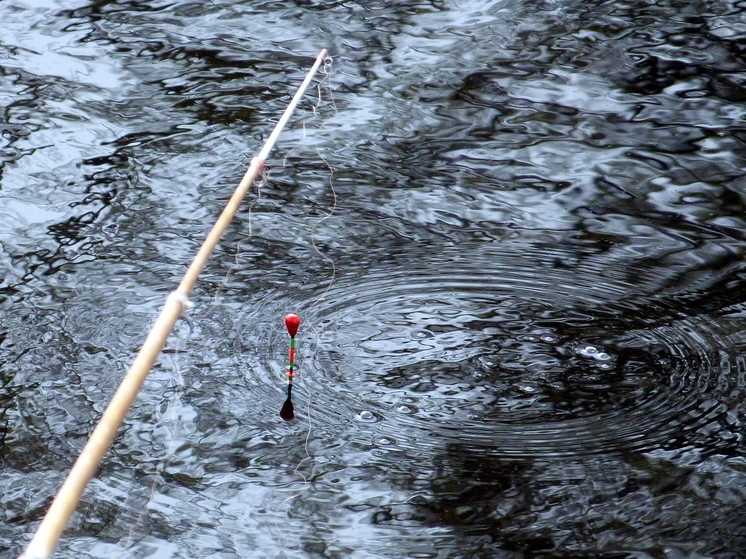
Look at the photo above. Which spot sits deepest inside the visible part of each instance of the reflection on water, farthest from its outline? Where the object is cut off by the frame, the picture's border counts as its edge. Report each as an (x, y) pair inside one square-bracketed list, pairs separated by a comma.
[(531, 345)]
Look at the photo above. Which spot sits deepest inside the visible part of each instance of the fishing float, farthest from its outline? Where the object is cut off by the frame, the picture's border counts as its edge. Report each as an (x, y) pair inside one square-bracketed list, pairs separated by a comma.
[(50, 530), (292, 323)]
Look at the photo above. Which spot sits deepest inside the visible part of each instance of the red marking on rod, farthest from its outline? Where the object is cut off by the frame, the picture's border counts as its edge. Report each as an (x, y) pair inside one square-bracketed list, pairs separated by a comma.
[(260, 162), (292, 322)]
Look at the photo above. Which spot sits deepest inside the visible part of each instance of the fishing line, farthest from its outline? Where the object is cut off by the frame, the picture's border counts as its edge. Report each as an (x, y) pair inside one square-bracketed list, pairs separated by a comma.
[(257, 187), (265, 178), (322, 87), (173, 404), (68, 497), (326, 69), (311, 349), (292, 376)]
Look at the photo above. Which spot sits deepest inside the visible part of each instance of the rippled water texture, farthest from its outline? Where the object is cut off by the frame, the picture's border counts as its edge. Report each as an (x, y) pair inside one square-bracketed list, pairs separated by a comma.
[(514, 231)]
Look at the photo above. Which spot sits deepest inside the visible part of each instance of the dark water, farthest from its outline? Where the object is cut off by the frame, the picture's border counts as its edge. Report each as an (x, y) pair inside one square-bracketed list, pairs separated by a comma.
[(523, 320)]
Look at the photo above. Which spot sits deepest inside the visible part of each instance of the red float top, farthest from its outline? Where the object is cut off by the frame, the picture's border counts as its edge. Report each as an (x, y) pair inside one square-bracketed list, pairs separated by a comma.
[(292, 322)]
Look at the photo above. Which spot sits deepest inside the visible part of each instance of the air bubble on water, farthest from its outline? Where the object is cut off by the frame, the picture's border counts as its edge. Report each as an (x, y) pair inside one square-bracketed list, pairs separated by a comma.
[(548, 339), (385, 441), (406, 409), (366, 417), (528, 389), (590, 351)]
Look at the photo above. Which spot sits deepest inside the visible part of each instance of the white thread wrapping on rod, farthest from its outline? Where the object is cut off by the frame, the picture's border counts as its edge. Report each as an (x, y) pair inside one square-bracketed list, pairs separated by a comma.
[(181, 298)]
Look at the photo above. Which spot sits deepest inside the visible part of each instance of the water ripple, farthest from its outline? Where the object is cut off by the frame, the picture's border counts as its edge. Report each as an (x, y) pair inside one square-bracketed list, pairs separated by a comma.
[(518, 355)]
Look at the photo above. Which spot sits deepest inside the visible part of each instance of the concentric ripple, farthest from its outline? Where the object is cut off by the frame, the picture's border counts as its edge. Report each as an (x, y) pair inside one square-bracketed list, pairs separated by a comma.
[(535, 353)]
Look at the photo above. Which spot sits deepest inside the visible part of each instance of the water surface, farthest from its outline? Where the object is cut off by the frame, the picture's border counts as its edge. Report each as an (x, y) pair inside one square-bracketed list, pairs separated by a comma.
[(514, 232)]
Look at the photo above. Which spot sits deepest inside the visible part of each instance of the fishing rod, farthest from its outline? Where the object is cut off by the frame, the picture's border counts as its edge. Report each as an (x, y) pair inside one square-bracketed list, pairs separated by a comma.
[(49, 531)]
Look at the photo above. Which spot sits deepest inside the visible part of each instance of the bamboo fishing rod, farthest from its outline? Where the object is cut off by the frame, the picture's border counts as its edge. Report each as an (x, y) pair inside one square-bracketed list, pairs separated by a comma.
[(49, 531)]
